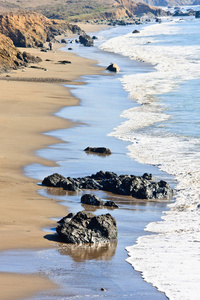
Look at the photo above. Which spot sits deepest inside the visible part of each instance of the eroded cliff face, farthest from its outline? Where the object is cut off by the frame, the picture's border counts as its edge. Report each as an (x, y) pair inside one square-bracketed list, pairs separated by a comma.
[(31, 29), (11, 57), (129, 8)]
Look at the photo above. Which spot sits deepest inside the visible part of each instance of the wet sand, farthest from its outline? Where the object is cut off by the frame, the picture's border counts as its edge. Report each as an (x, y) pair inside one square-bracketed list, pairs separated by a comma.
[(26, 111)]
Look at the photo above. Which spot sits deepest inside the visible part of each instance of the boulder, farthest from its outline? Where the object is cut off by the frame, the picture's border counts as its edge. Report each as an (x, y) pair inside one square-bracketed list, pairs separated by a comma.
[(98, 150), (54, 180), (91, 200), (113, 68), (86, 40), (85, 227)]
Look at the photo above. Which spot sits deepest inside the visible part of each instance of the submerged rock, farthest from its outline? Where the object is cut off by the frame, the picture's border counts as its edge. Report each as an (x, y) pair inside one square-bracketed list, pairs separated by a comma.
[(141, 187), (85, 227)]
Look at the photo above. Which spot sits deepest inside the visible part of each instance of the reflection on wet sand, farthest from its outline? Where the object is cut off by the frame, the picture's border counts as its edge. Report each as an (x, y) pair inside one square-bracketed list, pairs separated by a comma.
[(81, 252)]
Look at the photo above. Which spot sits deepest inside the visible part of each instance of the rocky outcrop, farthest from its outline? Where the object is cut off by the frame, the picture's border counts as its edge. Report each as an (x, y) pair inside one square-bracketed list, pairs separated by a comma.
[(33, 29), (86, 40), (98, 150), (141, 187), (85, 227), (11, 57), (113, 68), (90, 199)]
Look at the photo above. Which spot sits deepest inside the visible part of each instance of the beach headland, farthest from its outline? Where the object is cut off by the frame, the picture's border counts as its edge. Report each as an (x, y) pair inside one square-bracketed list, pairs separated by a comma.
[(29, 97)]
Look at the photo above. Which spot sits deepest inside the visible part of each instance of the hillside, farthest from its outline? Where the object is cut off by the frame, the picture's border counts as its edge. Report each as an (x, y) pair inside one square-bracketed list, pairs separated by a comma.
[(78, 10)]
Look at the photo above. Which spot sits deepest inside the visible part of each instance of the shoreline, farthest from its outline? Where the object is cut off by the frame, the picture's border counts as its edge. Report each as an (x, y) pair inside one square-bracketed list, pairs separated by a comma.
[(27, 111)]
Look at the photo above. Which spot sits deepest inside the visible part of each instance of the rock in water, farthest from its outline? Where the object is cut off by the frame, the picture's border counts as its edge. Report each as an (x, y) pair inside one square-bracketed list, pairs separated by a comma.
[(98, 150), (136, 31), (113, 68), (141, 187), (54, 180), (85, 227), (90, 199), (86, 40)]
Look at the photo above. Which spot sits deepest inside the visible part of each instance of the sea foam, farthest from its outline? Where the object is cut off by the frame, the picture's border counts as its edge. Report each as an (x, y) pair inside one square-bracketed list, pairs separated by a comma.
[(170, 258)]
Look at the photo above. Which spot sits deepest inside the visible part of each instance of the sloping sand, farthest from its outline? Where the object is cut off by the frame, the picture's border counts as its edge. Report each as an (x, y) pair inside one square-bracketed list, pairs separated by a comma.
[(26, 109)]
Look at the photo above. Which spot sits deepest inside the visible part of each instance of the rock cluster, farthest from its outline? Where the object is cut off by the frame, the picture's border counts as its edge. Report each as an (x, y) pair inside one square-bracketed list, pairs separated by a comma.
[(85, 227), (141, 187)]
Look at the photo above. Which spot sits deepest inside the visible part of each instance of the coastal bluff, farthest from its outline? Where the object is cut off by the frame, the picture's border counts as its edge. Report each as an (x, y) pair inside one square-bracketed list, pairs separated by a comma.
[(31, 29), (11, 57)]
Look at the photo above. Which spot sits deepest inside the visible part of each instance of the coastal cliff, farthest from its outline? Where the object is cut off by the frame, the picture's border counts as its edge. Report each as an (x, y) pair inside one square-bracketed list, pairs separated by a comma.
[(30, 29), (11, 57)]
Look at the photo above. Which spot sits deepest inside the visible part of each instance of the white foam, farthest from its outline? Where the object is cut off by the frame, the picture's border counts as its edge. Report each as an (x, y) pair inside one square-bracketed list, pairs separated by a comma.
[(170, 258)]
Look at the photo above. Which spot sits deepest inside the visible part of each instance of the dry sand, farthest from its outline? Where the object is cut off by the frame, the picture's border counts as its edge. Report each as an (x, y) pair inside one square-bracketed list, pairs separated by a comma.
[(26, 111)]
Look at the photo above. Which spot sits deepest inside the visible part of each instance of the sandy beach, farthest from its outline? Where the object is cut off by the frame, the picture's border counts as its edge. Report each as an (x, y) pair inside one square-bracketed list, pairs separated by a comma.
[(27, 108)]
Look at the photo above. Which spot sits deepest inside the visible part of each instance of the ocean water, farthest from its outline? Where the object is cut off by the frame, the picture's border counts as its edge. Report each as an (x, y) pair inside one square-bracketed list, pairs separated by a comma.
[(164, 131)]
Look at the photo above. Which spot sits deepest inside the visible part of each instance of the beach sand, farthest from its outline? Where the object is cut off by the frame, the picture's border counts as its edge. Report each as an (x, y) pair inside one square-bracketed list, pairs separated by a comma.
[(29, 97)]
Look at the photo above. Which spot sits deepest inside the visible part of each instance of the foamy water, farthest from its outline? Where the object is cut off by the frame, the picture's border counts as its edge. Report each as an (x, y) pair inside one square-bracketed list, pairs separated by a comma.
[(170, 258)]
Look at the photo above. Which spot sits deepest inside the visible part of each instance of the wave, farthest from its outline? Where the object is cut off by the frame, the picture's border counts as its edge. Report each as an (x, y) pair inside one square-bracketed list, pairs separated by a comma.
[(169, 259)]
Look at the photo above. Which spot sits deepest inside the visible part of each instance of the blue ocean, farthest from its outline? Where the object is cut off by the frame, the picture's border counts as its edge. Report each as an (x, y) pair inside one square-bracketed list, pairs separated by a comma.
[(164, 131)]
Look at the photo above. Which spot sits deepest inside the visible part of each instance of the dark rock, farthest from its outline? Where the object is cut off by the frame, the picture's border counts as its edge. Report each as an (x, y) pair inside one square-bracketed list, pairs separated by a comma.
[(91, 184), (86, 40), (64, 62), (197, 14), (140, 187), (54, 180), (136, 31), (98, 150), (94, 37), (30, 58), (158, 20), (147, 176), (85, 227), (91, 200), (70, 185), (70, 49), (66, 219), (63, 41), (39, 68), (113, 68), (111, 204)]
